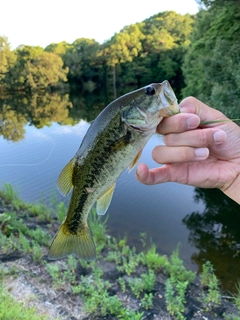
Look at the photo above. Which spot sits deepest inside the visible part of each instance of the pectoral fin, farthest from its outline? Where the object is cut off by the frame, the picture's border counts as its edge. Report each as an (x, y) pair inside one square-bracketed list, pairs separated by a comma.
[(105, 200), (135, 161), (64, 182)]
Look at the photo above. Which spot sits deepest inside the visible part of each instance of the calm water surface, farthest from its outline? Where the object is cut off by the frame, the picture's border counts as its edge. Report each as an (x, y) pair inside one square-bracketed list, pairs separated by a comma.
[(41, 133)]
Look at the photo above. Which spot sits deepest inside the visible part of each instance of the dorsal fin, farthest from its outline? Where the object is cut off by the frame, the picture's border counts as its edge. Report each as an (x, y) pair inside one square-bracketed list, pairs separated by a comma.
[(104, 201), (64, 182), (135, 161)]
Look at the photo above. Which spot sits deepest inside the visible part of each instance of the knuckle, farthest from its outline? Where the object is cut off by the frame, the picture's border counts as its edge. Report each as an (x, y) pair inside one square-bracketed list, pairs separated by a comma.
[(185, 154), (191, 99), (155, 153), (167, 139), (203, 139)]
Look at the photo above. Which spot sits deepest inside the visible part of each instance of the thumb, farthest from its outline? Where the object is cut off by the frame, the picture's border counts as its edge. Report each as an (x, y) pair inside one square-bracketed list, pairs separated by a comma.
[(193, 105)]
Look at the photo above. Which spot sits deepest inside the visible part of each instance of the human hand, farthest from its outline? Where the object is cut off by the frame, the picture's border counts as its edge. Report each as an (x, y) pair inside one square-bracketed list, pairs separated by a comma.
[(205, 156)]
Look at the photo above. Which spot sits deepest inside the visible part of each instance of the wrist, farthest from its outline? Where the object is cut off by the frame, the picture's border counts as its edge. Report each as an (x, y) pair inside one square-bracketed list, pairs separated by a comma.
[(233, 191)]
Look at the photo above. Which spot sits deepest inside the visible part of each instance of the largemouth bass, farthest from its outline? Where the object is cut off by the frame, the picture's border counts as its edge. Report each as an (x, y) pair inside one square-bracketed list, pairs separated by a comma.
[(112, 143)]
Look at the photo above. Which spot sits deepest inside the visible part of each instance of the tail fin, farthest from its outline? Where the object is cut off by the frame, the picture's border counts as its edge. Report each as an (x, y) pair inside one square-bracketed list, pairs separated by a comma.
[(80, 244)]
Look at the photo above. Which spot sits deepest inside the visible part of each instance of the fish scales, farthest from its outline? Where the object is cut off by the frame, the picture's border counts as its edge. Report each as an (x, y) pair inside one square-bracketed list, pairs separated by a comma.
[(100, 167), (113, 142)]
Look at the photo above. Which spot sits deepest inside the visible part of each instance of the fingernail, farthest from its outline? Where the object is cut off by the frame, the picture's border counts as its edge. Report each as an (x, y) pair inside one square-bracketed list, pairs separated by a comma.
[(193, 122), (219, 136), (201, 153), (138, 171)]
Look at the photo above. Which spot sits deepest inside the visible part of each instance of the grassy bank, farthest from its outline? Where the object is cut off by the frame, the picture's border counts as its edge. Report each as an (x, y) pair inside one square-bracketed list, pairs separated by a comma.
[(121, 284)]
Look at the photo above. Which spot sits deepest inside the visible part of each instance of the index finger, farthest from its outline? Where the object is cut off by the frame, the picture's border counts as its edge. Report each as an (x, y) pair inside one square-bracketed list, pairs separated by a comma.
[(180, 122)]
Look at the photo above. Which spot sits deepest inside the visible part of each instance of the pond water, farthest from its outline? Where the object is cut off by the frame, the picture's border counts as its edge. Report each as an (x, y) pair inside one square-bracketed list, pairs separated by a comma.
[(41, 133)]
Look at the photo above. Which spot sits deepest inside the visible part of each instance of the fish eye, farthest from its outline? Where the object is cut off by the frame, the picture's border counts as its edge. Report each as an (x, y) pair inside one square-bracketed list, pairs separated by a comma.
[(150, 91)]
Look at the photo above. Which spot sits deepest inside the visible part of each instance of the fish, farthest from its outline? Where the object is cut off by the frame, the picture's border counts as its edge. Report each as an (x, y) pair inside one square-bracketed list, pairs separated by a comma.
[(113, 142)]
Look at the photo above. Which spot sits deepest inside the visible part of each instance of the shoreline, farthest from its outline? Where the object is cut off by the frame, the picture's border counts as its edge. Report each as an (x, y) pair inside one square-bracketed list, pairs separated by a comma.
[(121, 284)]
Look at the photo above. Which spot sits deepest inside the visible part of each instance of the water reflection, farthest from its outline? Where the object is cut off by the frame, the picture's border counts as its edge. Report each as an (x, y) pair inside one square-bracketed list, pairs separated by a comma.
[(38, 109), (215, 232), (42, 108)]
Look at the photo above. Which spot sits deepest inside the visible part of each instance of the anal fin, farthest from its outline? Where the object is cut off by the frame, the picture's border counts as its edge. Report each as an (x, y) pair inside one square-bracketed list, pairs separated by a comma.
[(104, 201)]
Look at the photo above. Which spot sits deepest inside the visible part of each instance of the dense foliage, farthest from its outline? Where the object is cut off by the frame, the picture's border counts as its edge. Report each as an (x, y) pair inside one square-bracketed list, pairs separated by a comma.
[(212, 64), (198, 55)]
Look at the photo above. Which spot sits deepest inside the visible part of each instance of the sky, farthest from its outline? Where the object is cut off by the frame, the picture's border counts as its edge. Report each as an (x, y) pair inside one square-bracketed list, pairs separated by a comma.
[(42, 22)]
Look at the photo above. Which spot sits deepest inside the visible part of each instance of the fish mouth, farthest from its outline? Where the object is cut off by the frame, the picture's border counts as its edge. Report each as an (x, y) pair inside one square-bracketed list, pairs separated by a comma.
[(168, 101)]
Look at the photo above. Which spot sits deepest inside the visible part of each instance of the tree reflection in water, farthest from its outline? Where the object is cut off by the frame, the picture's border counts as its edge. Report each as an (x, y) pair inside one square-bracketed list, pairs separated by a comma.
[(216, 233), (42, 108)]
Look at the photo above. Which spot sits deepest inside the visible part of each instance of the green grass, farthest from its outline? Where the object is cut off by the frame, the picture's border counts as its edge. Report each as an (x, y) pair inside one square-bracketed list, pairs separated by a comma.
[(10, 309), (237, 296)]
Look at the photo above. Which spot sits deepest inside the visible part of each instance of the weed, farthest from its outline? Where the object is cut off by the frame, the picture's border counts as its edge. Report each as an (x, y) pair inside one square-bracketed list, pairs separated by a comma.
[(148, 280), (128, 264), (130, 315), (61, 211), (123, 242), (177, 270), (154, 260), (207, 272), (98, 227), (36, 252), (122, 283), (175, 303), (143, 238), (231, 317), (136, 286), (208, 279), (55, 272), (147, 301), (24, 243), (62, 274), (40, 210), (9, 222), (115, 256), (127, 260), (17, 236), (9, 194), (145, 283), (176, 285), (95, 294), (72, 262), (39, 235)]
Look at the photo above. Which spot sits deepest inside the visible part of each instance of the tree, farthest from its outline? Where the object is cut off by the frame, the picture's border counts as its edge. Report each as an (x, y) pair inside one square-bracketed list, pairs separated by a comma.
[(212, 65), (60, 48), (7, 59), (45, 70), (122, 48), (165, 43), (35, 68), (80, 58)]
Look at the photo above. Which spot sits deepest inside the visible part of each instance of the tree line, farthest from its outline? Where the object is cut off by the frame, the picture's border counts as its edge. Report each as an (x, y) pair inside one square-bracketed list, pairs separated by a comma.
[(140, 53), (199, 55)]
